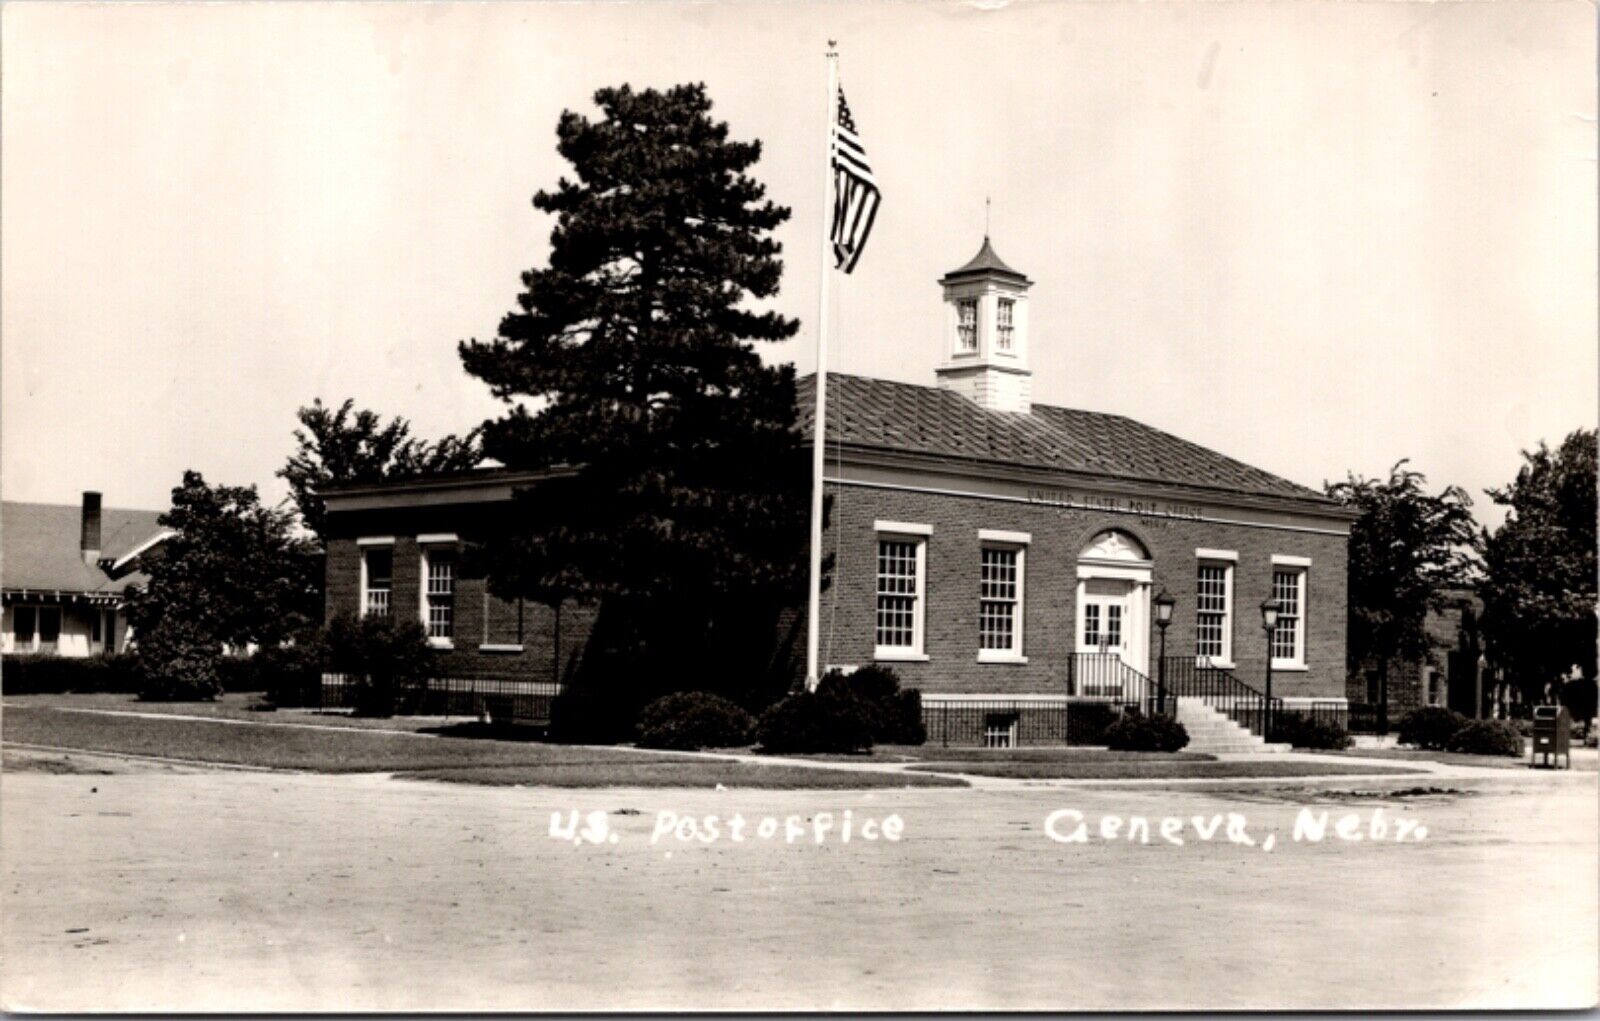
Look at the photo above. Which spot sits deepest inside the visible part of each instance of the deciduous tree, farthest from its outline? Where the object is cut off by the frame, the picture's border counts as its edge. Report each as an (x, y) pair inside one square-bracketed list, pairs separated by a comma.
[(347, 444), (1539, 585), (1406, 549), (233, 573)]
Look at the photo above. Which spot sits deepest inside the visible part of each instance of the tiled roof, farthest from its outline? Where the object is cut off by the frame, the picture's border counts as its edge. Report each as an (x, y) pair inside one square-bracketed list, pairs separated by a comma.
[(39, 546), (925, 420)]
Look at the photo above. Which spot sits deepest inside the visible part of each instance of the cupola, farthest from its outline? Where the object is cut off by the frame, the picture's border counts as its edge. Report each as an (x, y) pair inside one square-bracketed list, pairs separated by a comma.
[(986, 333)]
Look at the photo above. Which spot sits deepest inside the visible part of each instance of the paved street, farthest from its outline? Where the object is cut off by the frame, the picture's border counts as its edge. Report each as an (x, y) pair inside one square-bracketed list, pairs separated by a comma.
[(161, 888)]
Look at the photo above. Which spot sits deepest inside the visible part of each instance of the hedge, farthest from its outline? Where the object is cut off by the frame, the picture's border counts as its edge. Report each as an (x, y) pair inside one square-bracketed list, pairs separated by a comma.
[(692, 720), (830, 719), (1487, 737), (1430, 727), (1137, 733), (1305, 731), (56, 675)]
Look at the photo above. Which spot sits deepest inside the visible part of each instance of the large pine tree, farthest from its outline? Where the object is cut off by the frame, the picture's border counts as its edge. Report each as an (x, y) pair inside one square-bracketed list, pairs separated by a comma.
[(631, 359)]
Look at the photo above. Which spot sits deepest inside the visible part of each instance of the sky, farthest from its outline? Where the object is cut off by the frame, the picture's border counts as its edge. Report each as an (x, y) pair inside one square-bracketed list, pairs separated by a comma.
[(1319, 237)]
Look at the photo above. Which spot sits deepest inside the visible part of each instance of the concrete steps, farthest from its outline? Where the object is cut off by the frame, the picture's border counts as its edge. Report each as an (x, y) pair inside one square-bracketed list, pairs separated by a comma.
[(1212, 732)]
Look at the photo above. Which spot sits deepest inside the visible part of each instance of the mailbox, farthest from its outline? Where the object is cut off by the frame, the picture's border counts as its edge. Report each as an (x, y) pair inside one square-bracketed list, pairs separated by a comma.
[(1552, 734)]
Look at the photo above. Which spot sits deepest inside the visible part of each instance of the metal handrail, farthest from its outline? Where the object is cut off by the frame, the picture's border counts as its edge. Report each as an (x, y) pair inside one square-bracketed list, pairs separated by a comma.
[(1219, 688), (1104, 675)]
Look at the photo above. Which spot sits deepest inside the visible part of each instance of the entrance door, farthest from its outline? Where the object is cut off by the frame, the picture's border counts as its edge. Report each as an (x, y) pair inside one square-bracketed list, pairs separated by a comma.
[(1113, 615), (1103, 636), (1103, 626)]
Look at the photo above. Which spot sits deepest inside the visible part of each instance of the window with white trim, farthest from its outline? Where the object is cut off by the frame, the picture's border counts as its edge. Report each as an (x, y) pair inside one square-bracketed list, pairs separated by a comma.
[(1213, 628), (1000, 600), (967, 324), (377, 581), (1288, 638), (1005, 324), (439, 592), (900, 594)]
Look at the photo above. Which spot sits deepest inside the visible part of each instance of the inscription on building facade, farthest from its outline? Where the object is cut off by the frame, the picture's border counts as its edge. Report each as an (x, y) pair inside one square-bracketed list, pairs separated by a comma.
[(1117, 504)]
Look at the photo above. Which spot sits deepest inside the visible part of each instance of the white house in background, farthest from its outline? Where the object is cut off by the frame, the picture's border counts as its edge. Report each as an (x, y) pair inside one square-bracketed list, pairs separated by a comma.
[(65, 571)]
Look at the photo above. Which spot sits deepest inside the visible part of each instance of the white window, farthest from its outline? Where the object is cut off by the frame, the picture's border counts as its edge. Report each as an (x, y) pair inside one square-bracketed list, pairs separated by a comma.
[(1000, 587), (377, 581), (901, 567), (1288, 638), (439, 593), (1213, 634), (35, 628), (1005, 324), (967, 324), (1000, 730)]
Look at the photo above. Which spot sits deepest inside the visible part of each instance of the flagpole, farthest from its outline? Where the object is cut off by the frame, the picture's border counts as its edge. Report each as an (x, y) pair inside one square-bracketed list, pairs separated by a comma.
[(819, 430)]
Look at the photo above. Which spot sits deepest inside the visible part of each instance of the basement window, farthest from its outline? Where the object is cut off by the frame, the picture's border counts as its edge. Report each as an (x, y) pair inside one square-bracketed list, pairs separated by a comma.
[(1000, 730)]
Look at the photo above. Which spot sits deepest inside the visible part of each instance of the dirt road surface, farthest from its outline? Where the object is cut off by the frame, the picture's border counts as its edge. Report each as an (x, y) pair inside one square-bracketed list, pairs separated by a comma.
[(161, 890)]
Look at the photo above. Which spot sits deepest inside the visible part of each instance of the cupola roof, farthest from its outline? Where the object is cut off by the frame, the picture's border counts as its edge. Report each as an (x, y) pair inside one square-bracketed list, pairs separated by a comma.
[(985, 263)]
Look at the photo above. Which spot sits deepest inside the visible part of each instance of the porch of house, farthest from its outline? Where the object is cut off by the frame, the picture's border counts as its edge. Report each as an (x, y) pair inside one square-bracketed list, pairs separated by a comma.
[(70, 624)]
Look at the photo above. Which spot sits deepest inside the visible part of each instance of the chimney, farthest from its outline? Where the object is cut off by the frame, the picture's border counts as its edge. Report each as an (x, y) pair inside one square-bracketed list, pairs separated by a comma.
[(89, 537)]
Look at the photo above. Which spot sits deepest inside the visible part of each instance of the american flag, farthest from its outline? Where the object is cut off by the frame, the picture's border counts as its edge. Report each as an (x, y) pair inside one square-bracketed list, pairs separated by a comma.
[(855, 191)]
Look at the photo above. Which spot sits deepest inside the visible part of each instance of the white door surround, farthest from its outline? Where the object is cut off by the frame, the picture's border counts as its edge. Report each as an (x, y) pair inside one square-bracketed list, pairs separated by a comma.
[(1114, 580)]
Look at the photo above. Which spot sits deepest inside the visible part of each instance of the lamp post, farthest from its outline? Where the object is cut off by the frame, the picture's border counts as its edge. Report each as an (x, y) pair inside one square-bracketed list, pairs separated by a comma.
[(1269, 623), (1164, 604)]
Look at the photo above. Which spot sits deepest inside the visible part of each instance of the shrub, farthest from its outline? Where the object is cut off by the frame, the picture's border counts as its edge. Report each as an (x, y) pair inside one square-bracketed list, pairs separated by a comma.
[(909, 726), (587, 715), (1487, 737), (178, 662), (1430, 727), (829, 719), (1087, 722), (55, 675), (1305, 731), (385, 659), (291, 675), (1138, 733), (893, 716), (691, 720), (1579, 698), (238, 673)]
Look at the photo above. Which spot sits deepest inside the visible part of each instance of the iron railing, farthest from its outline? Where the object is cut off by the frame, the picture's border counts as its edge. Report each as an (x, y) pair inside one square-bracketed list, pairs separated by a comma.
[(501, 699), (1013, 723), (1367, 718), (1105, 675), (1219, 688)]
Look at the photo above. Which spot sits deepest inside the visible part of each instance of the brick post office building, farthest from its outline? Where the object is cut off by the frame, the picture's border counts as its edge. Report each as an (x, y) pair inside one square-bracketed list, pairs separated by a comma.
[(1006, 558)]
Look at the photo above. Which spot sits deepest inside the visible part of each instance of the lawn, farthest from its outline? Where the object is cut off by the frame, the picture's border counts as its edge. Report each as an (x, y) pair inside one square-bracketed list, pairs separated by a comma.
[(1460, 759), (234, 705), (699, 773), (1151, 768), (460, 759), (1062, 754)]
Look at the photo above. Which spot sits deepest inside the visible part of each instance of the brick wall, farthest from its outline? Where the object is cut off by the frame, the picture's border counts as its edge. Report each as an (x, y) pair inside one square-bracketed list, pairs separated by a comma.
[(1449, 630), (951, 613), (1049, 637), (551, 643)]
